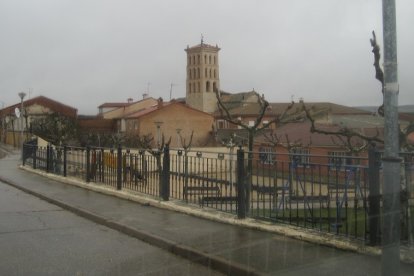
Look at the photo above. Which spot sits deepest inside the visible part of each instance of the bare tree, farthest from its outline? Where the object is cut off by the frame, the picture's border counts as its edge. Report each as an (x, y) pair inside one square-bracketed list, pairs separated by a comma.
[(186, 146), (285, 117), (56, 129), (348, 137)]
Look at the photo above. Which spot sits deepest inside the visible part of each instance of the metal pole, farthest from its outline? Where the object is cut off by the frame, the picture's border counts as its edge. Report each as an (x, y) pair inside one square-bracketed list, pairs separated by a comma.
[(374, 196), (391, 160), (119, 168), (241, 187), (165, 192)]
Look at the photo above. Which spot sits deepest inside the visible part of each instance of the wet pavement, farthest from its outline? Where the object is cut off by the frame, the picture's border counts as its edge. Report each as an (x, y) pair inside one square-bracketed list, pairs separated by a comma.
[(39, 238), (230, 248)]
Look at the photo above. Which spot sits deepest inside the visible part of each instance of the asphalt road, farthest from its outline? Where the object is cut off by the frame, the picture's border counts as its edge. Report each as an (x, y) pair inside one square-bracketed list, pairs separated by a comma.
[(38, 238)]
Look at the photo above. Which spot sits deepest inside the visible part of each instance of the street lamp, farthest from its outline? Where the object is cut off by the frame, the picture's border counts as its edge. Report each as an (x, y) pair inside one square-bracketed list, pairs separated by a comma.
[(178, 138), (158, 124), (21, 95)]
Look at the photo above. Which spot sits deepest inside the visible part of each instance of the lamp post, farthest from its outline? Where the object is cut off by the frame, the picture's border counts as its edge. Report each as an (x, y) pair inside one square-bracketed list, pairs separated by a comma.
[(21, 95), (178, 130), (158, 124)]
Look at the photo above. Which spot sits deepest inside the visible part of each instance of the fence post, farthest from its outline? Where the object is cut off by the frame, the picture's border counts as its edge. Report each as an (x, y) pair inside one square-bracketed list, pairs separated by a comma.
[(374, 196), (24, 147), (102, 165), (65, 161), (119, 168), (241, 189), (48, 158), (34, 157), (88, 164), (165, 191)]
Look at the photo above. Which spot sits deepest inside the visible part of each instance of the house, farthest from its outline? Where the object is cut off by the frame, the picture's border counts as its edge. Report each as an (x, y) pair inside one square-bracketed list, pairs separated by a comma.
[(120, 110), (296, 140), (32, 109), (242, 107), (172, 120)]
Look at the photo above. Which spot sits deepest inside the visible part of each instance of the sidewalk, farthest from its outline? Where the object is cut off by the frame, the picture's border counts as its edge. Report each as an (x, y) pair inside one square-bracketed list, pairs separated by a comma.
[(229, 248)]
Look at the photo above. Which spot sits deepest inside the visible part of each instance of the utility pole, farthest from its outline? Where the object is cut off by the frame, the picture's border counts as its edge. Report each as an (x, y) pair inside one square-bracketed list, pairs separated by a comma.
[(391, 160)]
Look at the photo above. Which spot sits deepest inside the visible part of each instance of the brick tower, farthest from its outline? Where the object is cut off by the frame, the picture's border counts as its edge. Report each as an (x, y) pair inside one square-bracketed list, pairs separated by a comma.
[(202, 77)]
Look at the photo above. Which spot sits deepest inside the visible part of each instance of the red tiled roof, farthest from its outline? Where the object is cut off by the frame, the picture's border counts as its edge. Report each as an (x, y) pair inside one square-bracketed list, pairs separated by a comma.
[(55, 106), (156, 107), (113, 105), (142, 112)]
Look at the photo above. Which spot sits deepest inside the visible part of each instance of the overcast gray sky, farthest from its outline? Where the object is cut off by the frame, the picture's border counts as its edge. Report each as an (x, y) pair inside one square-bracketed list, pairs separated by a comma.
[(87, 52)]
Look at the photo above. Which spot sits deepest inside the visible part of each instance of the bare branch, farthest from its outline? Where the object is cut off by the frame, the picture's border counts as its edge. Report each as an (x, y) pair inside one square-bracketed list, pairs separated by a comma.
[(345, 132), (222, 108), (275, 141), (283, 118), (185, 146), (379, 73)]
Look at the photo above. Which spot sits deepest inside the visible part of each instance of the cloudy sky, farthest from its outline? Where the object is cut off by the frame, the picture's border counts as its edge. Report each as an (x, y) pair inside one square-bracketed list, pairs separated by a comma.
[(87, 52)]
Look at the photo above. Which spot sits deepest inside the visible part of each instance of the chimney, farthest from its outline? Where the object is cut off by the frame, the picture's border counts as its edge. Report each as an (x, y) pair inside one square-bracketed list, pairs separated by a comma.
[(160, 102)]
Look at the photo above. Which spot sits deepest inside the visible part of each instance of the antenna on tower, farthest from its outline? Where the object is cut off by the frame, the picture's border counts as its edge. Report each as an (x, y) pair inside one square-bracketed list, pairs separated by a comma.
[(202, 39)]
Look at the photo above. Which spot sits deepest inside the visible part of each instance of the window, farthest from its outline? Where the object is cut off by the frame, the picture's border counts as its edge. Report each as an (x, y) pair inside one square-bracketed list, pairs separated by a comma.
[(205, 72), (189, 87), (338, 160), (198, 59), (214, 73), (210, 73), (198, 87), (209, 59), (300, 156), (189, 74), (205, 59), (221, 124), (198, 72), (214, 59), (207, 86), (214, 87), (266, 155)]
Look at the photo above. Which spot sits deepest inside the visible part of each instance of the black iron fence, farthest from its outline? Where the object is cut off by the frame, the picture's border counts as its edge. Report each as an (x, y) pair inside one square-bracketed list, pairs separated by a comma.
[(336, 194)]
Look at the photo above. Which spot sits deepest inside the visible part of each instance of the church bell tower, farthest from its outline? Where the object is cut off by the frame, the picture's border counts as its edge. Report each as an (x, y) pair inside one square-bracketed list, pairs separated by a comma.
[(202, 77)]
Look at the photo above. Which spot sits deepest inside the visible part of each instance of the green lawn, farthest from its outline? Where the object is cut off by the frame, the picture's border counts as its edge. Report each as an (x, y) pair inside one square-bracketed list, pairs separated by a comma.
[(350, 222)]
